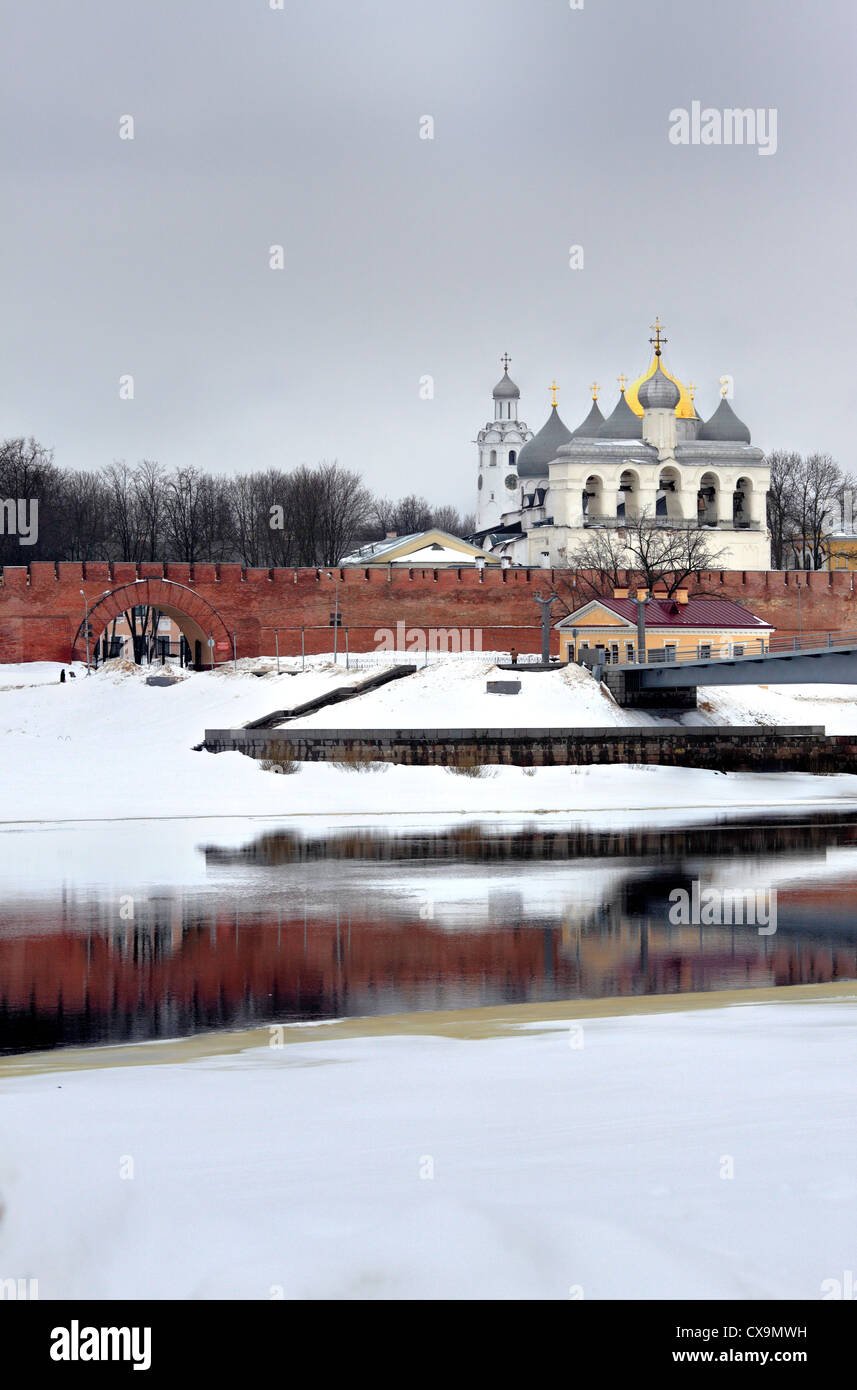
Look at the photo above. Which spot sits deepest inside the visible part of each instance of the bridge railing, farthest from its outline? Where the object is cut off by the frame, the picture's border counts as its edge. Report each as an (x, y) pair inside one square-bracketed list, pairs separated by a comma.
[(722, 647)]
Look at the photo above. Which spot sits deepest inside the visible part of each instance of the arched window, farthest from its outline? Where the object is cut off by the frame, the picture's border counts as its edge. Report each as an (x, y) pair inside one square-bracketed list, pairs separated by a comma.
[(493, 459), (708, 498), (513, 458)]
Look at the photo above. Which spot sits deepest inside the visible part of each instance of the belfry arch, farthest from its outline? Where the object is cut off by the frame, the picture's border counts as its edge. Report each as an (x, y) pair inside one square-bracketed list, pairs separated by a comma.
[(193, 615)]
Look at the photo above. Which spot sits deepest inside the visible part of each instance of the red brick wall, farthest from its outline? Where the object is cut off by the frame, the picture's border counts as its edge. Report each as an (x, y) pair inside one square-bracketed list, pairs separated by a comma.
[(41, 607)]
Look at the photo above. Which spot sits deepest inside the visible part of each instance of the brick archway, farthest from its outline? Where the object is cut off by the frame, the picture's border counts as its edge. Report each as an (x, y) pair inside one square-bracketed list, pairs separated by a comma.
[(195, 616)]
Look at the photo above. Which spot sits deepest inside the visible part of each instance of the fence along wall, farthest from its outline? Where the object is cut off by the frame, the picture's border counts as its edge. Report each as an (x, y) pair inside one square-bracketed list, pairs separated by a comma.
[(41, 607)]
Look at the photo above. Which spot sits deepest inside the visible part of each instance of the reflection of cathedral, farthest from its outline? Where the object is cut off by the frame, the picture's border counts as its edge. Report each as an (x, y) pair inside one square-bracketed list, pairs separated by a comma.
[(653, 456)]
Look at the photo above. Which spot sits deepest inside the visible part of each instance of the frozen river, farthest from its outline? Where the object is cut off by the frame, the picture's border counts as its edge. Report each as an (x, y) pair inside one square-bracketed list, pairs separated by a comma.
[(160, 929)]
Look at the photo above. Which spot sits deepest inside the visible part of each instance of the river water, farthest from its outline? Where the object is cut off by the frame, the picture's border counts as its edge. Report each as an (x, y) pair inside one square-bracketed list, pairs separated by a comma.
[(152, 931)]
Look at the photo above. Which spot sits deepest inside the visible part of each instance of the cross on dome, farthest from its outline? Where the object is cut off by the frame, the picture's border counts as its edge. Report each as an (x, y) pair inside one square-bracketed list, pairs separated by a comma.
[(656, 328)]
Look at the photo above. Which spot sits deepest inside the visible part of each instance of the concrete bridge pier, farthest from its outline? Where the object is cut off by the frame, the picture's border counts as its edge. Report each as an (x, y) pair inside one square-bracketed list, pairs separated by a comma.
[(627, 689)]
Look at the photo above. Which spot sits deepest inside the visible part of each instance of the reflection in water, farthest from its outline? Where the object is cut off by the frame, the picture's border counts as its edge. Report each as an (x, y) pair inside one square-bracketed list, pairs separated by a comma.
[(471, 843), (423, 921)]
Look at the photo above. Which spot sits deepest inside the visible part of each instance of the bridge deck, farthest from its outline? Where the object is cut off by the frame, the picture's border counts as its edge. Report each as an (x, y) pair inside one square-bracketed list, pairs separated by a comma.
[(825, 665)]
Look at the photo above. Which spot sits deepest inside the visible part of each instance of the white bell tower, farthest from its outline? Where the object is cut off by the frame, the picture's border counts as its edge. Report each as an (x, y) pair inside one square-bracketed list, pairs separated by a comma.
[(499, 443)]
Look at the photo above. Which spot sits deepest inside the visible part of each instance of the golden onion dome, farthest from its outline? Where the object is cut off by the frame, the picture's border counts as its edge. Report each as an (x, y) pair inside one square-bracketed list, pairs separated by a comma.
[(685, 408)]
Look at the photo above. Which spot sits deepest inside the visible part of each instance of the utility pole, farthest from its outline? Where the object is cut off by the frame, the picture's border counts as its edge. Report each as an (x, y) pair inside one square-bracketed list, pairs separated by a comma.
[(335, 578), (546, 623)]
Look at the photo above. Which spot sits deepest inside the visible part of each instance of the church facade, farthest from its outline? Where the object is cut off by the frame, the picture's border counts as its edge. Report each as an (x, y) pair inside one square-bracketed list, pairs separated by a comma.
[(653, 458)]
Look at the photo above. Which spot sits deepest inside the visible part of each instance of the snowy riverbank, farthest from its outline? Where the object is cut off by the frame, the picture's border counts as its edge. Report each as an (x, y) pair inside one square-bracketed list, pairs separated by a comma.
[(704, 1154), (111, 747)]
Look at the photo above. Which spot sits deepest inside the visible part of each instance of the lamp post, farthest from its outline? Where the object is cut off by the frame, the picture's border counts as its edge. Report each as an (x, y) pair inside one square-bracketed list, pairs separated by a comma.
[(546, 620), (641, 629), (86, 627)]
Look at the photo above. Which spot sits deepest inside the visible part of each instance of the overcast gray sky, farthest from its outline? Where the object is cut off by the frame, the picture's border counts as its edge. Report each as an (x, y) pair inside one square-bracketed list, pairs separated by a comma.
[(407, 257)]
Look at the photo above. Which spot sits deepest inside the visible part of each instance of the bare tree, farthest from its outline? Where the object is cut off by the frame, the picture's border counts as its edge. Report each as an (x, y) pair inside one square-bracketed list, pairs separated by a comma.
[(644, 552), (279, 502), (448, 519), (150, 500), (669, 555), (28, 475), (183, 505), (785, 467), (411, 514), (249, 524), (85, 516), (345, 506), (214, 519), (816, 487), (601, 559), (123, 521), (380, 520)]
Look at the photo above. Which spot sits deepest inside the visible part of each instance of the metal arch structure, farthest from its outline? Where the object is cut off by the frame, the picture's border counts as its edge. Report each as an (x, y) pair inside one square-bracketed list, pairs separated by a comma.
[(195, 616)]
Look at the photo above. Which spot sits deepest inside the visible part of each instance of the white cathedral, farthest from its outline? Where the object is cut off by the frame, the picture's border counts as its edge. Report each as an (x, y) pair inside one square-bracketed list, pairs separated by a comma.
[(540, 495)]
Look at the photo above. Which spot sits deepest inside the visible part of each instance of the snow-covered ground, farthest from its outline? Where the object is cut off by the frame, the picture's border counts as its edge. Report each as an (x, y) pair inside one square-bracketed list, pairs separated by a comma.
[(703, 1155), (111, 747), (452, 694)]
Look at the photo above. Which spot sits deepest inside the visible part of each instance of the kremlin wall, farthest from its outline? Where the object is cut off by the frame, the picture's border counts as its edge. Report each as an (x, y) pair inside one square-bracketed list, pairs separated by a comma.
[(42, 609)]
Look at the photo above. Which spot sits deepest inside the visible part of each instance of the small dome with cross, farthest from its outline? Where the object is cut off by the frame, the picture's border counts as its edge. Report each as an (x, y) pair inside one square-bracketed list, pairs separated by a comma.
[(506, 388)]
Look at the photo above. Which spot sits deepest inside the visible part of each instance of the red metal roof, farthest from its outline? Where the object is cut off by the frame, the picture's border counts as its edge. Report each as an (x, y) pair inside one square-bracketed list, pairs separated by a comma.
[(697, 612)]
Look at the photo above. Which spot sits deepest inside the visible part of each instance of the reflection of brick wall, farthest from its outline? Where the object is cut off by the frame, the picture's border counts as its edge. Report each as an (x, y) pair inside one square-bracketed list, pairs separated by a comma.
[(87, 984), (41, 607)]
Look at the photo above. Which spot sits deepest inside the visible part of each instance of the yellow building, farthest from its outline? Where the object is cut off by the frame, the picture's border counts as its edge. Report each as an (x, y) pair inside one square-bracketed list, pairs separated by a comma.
[(433, 549), (677, 628), (840, 549)]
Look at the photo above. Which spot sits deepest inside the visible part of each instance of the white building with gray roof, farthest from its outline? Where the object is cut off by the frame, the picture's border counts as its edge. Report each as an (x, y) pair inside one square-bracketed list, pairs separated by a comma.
[(499, 443), (652, 456)]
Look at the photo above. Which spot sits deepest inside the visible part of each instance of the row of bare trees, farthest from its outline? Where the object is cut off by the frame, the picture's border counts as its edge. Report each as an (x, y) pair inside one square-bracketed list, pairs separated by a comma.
[(315, 516), (307, 516)]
